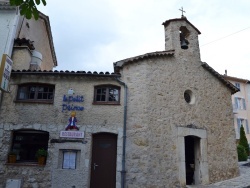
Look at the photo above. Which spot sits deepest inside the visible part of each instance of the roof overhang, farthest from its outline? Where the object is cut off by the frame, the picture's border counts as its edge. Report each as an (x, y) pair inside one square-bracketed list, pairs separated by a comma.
[(119, 64), (63, 73), (167, 22), (220, 78), (231, 78)]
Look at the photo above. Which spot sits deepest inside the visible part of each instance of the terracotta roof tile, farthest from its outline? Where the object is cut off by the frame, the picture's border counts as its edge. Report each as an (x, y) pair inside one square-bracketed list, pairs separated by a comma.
[(61, 72), (236, 79), (121, 63)]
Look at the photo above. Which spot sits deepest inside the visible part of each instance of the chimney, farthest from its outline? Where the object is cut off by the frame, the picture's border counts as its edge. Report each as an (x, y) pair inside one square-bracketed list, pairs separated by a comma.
[(36, 60)]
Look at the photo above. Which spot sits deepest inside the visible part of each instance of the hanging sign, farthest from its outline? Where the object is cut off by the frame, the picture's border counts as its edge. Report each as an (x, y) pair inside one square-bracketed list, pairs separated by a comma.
[(5, 71)]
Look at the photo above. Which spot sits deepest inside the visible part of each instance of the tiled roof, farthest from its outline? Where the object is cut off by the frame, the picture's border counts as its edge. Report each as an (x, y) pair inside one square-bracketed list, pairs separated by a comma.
[(24, 41), (236, 79), (141, 57), (220, 77), (180, 19), (66, 73)]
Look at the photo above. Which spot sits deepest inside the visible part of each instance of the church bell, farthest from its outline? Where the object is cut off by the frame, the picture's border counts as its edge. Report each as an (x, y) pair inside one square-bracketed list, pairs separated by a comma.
[(184, 45), (184, 42)]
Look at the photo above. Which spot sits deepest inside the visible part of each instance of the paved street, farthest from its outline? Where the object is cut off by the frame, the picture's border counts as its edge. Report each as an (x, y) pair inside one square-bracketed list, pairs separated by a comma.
[(243, 181)]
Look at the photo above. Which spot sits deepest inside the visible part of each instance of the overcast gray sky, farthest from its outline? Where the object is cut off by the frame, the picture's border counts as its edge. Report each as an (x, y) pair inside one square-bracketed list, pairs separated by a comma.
[(91, 35)]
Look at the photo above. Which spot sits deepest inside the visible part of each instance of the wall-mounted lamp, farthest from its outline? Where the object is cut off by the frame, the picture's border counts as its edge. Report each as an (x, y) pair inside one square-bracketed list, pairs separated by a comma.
[(71, 92)]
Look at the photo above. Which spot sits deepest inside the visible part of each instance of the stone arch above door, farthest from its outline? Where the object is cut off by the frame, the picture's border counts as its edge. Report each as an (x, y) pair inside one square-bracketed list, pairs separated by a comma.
[(202, 134)]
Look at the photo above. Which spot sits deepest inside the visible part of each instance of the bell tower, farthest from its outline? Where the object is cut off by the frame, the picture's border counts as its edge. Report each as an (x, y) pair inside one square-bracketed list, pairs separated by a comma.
[(181, 36)]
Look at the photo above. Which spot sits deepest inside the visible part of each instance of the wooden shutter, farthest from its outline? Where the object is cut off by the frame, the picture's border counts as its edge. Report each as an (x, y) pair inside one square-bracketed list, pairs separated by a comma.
[(238, 124), (244, 104), (236, 102), (247, 128)]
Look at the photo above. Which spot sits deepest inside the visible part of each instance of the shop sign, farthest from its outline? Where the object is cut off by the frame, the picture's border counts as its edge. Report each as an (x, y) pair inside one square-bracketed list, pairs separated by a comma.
[(5, 71), (69, 103), (71, 134)]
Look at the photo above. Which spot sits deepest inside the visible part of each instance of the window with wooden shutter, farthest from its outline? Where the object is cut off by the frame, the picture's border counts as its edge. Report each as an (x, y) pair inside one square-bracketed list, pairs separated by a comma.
[(244, 104), (247, 128), (238, 124)]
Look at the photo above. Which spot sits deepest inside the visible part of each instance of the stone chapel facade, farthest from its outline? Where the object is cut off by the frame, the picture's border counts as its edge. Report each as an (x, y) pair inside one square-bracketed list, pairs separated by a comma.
[(162, 119)]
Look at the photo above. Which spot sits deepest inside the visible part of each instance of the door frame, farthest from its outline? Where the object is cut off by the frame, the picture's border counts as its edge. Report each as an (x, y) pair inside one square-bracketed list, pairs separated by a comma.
[(110, 135), (203, 164)]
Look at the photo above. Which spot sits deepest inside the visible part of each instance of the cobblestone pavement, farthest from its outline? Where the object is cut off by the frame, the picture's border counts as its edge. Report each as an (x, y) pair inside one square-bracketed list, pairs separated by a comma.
[(243, 181)]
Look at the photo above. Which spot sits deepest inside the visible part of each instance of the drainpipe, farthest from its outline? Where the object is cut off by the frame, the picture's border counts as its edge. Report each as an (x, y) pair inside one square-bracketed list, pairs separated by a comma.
[(123, 171)]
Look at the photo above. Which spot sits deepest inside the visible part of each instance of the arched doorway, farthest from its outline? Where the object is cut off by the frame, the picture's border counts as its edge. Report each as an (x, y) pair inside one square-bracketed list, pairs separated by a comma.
[(103, 165)]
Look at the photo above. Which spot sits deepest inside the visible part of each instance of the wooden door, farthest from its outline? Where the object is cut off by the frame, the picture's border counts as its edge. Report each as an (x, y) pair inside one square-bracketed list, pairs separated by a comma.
[(103, 165)]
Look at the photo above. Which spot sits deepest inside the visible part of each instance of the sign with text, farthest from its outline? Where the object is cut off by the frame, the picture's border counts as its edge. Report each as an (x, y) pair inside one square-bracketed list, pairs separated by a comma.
[(69, 103), (5, 71), (71, 134)]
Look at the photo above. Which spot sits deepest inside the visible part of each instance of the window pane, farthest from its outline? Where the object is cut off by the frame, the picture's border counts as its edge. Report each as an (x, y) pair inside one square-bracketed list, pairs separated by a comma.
[(107, 94), (103, 98), (101, 91), (51, 96), (32, 96), (26, 144), (98, 98), (32, 89), (69, 159), (113, 94), (36, 92), (40, 95), (22, 93), (31, 92), (45, 96), (46, 89), (101, 94), (40, 89)]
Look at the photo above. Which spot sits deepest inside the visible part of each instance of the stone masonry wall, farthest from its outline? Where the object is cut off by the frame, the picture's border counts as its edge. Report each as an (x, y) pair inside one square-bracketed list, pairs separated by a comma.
[(156, 108), (21, 57), (50, 118)]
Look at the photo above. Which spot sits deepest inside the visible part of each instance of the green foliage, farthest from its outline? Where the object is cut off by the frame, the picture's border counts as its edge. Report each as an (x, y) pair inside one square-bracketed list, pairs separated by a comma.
[(41, 153), (243, 140), (28, 7), (242, 156)]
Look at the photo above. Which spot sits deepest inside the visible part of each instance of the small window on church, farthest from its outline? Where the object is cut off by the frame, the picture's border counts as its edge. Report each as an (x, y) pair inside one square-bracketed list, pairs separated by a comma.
[(189, 97)]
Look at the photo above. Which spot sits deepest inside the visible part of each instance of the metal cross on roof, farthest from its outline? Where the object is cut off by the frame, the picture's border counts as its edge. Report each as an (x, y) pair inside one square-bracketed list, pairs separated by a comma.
[(182, 12)]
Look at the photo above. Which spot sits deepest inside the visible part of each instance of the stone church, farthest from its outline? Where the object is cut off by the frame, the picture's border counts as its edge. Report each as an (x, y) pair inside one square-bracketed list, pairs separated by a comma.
[(162, 119)]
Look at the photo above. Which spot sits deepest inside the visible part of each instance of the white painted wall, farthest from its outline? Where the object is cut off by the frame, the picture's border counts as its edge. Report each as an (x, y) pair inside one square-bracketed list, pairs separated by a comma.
[(8, 27)]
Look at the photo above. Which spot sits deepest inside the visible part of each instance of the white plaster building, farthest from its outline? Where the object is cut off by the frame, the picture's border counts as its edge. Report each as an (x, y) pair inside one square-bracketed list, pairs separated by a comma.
[(241, 105)]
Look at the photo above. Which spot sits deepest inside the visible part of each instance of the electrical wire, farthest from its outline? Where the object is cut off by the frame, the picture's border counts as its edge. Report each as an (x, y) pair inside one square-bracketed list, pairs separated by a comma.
[(225, 36)]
